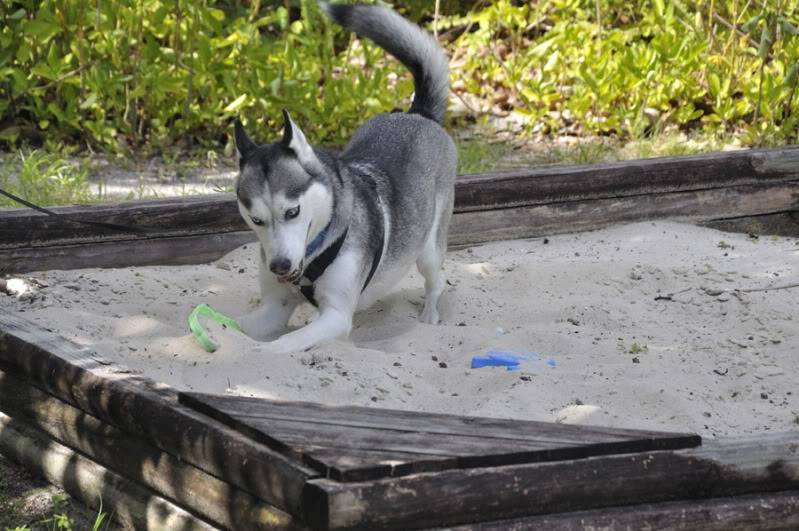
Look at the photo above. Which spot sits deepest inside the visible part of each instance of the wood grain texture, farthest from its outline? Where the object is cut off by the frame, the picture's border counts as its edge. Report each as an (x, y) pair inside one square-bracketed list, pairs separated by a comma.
[(355, 443), (742, 206), (488, 207), (178, 250), (757, 512), (134, 506), (718, 468), (574, 216), (148, 410), (173, 216), (553, 184), (781, 224), (135, 459)]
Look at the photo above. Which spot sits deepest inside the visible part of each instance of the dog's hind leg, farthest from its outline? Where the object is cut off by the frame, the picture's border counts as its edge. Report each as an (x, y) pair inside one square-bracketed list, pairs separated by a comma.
[(431, 260)]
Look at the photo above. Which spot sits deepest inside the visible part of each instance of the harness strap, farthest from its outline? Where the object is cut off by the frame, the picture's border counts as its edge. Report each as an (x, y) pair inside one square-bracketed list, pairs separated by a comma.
[(319, 264)]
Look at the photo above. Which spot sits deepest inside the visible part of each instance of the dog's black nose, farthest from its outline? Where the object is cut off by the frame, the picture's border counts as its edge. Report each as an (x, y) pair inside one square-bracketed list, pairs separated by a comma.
[(280, 266)]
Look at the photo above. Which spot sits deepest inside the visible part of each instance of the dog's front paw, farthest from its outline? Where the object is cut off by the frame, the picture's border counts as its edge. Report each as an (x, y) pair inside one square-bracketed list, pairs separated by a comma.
[(429, 316), (286, 344)]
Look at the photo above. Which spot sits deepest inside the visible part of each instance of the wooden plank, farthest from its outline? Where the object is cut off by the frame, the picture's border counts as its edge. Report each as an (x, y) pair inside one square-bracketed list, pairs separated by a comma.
[(625, 178), (574, 216), (133, 506), (218, 213), (134, 459), (732, 213), (179, 250), (172, 216), (150, 411), (378, 442), (781, 224), (756, 512), (488, 207), (349, 464), (725, 467), (467, 228)]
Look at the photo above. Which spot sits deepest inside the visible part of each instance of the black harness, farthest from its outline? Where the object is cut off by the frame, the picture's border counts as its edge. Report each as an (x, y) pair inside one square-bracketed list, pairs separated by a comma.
[(318, 265)]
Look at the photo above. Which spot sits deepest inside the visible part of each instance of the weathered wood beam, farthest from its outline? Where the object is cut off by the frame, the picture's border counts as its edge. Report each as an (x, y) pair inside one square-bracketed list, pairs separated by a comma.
[(351, 443), (211, 214), (468, 228), (754, 512), (133, 506), (713, 205), (175, 250), (137, 460), (551, 184), (149, 410), (168, 217), (720, 468)]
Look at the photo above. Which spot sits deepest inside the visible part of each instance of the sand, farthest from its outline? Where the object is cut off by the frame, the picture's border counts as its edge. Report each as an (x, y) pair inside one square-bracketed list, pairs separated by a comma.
[(640, 326)]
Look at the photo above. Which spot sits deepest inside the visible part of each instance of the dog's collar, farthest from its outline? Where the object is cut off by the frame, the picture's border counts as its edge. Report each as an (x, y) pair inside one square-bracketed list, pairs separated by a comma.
[(316, 242)]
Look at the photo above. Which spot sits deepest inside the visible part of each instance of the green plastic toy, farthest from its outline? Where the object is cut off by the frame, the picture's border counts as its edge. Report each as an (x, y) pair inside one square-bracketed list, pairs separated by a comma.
[(198, 330)]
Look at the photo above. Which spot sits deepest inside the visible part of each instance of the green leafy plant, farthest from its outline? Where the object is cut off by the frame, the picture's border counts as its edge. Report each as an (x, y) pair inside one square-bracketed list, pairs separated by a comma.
[(165, 75), (60, 521), (139, 73), (43, 178)]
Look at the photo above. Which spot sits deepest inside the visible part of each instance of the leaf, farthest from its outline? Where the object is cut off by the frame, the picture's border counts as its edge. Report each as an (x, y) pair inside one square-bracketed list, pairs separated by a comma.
[(714, 83), (750, 24), (552, 62), (696, 115), (588, 78), (43, 30), (91, 100), (660, 9), (789, 28), (218, 14), (236, 104), (765, 43), (790, 78)]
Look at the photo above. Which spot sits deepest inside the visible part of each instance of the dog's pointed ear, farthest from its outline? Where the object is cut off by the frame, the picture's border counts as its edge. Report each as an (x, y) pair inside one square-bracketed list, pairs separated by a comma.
[(294, 139), (244, 145)]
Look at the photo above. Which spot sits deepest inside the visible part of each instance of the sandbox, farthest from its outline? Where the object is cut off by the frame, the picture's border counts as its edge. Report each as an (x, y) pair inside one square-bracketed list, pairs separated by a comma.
[(654, 385), (653, 325)]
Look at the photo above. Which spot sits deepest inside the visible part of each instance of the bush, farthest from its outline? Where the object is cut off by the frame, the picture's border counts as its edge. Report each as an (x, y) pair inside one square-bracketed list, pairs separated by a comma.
[(677, 60), (156, 72), (147, 74), (43, 179)]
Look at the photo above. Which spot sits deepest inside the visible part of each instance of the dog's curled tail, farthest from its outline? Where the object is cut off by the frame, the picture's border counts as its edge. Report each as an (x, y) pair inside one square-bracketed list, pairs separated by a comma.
[(414, 47)]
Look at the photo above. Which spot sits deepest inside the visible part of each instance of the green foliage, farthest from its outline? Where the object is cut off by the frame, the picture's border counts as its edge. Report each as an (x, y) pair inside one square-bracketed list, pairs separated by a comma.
[(60, 521), (44, 179), (163, 74), (676, 57), (154, 72)]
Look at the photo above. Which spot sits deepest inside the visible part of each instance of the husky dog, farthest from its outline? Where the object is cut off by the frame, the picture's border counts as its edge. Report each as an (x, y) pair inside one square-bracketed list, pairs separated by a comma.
[(341, 229)]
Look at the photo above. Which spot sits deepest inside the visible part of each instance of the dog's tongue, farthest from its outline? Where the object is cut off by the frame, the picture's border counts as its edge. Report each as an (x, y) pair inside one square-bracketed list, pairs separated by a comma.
[(290, 277)]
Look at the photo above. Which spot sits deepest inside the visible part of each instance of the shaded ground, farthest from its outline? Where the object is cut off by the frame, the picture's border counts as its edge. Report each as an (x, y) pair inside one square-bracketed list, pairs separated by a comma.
[(29, 500)]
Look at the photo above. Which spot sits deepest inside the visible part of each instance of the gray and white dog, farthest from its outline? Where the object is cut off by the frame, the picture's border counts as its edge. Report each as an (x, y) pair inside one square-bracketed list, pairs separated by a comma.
[(341, 229)]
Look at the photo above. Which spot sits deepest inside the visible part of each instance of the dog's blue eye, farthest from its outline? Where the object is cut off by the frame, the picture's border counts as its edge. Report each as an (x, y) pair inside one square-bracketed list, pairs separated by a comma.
[(293, 212), (257, 221)]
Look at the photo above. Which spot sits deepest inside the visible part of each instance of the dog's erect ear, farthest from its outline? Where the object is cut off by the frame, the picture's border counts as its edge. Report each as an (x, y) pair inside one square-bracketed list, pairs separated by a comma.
[(244, 146), (294, 139)]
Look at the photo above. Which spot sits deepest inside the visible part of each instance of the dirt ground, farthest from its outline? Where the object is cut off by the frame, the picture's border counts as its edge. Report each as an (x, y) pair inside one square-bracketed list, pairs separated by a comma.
[(29, 500)]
